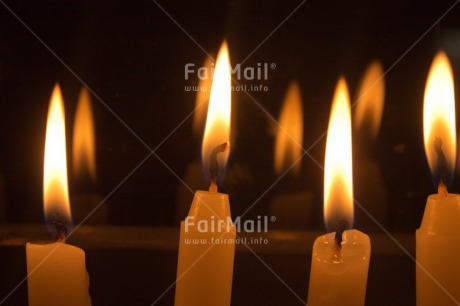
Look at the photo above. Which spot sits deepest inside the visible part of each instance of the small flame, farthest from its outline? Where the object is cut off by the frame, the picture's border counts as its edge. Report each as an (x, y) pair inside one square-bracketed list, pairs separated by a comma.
[(371, 96), (217, 129), (83, 138), (202, 96), (289, 137), (439, 118), (55, 187), (338, 182)]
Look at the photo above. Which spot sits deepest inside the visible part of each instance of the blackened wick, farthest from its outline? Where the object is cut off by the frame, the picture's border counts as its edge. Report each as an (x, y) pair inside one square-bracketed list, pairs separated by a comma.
[(214, 165), (442, 163), (341, 226), (60, 227)]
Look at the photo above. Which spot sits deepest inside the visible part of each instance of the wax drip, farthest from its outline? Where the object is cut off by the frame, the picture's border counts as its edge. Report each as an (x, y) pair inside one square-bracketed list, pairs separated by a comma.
[(214, 165), (60, 227), (441, 167)]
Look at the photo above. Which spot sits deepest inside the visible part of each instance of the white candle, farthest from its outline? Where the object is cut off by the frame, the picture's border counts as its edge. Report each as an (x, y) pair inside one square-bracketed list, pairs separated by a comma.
[(206, 252), (438, 252), (340, 260), (56, 272), (438, 238), (339, 279), (57, 275), (207, 237)]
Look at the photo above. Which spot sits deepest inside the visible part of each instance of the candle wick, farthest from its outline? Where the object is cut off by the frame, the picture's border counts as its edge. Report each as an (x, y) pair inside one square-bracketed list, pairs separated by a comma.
[(60, 227), (213, 188), (214, 164), (341, 226), (442, 167), (338, 238), (442, 190)]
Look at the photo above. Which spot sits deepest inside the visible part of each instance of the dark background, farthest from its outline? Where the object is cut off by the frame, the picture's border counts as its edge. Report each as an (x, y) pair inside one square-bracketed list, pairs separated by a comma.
[(132, 55)]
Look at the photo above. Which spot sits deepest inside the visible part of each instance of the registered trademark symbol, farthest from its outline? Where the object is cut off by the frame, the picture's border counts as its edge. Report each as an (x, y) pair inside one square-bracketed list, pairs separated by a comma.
[(273, 66), (272, 218)]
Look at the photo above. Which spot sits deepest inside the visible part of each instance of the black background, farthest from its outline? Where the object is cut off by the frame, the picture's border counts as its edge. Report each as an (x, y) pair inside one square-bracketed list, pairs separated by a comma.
[(132, 55)]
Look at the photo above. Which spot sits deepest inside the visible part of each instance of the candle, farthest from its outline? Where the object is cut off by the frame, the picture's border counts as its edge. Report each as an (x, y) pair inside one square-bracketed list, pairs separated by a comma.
[(207, 237), (340, 260), (56, 272), (438, 238)]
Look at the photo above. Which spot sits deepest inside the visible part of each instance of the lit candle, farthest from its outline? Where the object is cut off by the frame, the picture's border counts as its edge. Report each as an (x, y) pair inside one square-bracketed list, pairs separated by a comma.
[(207, 237), (340, 260), (56, 272), (438, 238)]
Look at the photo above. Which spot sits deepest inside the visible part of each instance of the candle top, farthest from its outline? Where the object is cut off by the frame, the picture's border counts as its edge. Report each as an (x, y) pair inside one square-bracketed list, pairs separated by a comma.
[(442, 215), (355, 245), (208, 205)]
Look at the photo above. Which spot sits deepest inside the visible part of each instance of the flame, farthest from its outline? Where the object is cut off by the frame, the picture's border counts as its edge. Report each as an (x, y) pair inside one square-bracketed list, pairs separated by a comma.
[(338, 182), (217, 129), (83, 138), (289, 137), (371, 96), (55, 188), (439, 114), (202, 97)]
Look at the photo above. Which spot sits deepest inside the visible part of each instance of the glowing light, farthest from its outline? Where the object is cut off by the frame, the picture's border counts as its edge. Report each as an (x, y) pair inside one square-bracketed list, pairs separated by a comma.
[(217, 129), (371, 95), (84, 160), (439, 114), (55, 187), (338, 176), (289, 137)]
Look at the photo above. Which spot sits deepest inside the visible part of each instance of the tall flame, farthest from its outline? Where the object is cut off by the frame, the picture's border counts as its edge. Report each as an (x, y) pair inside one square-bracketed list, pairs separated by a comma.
[(217, 129), (338, 181), (55, 187), (289, 137), (371, 96), (439, 116), (84, 162)]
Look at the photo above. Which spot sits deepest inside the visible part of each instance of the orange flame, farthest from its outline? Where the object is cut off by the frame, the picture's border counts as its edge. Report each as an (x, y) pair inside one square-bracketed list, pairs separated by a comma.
[(439, 113), (338, 180), (289, 137), (55, 187), (217, 129), (84, 161), (371, 95)]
